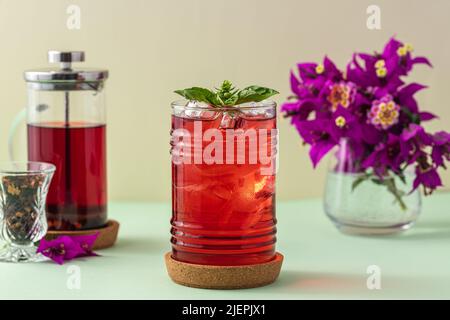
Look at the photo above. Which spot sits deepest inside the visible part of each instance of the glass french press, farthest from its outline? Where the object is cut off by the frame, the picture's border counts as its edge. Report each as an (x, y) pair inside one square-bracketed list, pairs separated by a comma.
[(66, 125)]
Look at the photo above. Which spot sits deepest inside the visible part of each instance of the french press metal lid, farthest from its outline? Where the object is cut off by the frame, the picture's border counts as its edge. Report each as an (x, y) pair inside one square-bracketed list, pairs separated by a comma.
[(66, 78)]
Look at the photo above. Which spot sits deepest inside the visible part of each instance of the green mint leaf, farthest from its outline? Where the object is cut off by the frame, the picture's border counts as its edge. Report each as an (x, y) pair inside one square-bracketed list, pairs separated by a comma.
[(230, 101), (201, 95), (254, 94), (227, 95)]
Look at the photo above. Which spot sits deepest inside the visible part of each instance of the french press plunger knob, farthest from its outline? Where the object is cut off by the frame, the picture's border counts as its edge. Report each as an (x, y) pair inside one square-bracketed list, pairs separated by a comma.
[(65, 58)]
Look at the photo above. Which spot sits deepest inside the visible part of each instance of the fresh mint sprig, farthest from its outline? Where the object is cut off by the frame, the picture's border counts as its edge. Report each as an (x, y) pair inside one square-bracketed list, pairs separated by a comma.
[(227, 95)]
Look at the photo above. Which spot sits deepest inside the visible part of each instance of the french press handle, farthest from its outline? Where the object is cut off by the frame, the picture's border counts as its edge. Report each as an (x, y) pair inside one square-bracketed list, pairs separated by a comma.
[(65, 58)]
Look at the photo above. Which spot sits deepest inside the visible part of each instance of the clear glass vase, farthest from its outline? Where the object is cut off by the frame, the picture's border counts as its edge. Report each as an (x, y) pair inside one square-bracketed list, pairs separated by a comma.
[(23, 191), (361, 203)]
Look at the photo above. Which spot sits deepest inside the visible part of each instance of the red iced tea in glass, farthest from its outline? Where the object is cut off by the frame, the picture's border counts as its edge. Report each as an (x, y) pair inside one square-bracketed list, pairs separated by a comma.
[(77, 196), (223, 213)]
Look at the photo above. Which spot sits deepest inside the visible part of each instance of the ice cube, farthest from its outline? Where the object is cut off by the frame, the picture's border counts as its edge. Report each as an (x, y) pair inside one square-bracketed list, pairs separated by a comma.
[(257, 110), (197, 104), (205, 200), (199, 110), (228, 120)]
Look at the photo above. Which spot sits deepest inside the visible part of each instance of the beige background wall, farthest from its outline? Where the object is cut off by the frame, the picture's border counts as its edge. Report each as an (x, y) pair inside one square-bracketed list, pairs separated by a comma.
[(152, 47)]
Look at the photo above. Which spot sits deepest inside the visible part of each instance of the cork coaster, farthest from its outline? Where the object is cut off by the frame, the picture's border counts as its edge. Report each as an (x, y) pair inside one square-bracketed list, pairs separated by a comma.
[(223, 277), (106, 238)]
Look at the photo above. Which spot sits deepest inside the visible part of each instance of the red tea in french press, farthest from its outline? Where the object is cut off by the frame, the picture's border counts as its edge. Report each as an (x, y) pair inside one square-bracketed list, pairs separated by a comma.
[(66, 120)]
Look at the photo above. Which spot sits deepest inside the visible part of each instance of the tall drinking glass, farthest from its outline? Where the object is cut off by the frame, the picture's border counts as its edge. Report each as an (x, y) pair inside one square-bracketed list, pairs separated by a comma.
[(223, 183)]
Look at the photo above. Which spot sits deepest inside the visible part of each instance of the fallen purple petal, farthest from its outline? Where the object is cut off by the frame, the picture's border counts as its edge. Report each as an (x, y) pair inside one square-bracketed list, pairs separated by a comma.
[(66, 248)]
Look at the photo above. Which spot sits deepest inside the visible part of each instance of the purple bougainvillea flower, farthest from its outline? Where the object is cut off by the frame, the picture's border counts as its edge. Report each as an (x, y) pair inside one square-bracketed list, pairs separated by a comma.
[(313, 131), (441, 148), (299, 88), (388, 156), (331, 72), (316, 133), (418, 132), (356, 74), (401, 56), (324, 134), (361, 70), (372, 136), (319, 150), (409, 90), (86, 242), (442, 138), (427, 116), (341, 94), (390, 87), (384, 113), (421, 60), (61, 249), (405, 96), (300, 110), (373, 109), (391, 47), (344, 125), (359, 102), (428, 178), (391, 57), (307, 71), (65, 248), (291, 108)]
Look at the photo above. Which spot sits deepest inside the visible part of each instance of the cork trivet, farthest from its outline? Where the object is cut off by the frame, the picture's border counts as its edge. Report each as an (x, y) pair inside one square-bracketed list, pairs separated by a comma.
[(223, 277), (106, 238)]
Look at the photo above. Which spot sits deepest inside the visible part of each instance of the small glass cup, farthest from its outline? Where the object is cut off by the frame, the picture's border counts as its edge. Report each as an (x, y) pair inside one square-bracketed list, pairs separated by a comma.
[(23, 222)]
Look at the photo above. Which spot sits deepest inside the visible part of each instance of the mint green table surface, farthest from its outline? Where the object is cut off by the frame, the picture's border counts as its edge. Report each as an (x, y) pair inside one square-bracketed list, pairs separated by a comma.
[(319, 261)]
